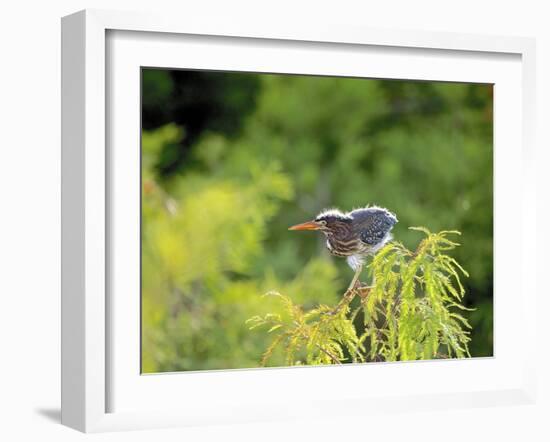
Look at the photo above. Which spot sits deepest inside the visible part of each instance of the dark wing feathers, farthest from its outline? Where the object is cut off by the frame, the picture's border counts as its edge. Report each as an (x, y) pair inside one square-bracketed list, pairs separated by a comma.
[(373, 224)]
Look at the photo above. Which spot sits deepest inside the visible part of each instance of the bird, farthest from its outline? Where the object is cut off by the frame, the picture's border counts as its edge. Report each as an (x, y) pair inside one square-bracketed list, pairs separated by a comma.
[(353, 235)]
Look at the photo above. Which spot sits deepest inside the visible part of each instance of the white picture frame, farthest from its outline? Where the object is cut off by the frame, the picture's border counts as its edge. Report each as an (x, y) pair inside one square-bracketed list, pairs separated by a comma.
[(97, 367)]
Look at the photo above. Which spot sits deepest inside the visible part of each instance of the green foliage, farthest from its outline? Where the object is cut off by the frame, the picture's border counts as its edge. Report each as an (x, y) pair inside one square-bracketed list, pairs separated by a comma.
[(412, 312), (201, 238), (321, 336)]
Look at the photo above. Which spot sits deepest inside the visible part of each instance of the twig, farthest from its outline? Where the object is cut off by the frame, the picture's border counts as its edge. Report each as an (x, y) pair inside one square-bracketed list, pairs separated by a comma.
[(346, 300), (328, 353), (325, 351)]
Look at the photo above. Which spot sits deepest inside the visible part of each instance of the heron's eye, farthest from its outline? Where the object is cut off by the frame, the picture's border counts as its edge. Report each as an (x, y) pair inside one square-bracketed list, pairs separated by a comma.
[(323, 222)]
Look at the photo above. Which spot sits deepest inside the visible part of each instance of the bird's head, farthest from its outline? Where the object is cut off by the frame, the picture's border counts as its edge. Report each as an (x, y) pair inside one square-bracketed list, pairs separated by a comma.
[(329, 222)]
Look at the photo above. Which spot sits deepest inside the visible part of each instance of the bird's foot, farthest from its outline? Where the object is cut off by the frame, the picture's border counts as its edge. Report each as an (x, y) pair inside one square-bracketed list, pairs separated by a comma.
[(363, 290)]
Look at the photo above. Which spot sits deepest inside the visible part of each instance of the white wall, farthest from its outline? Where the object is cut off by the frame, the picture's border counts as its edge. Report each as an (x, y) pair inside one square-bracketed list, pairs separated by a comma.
[(30, 220)]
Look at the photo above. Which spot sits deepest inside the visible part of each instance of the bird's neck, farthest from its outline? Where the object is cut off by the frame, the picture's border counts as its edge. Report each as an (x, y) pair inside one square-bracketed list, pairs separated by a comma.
[(339, 231)]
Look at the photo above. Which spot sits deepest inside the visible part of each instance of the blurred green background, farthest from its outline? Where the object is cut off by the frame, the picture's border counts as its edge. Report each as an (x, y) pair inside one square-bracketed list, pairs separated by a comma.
[(230, 160)]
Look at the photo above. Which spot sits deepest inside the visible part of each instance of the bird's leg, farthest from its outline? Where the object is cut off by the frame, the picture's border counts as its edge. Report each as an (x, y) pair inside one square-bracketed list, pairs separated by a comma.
[(355, 278), (349, 293)]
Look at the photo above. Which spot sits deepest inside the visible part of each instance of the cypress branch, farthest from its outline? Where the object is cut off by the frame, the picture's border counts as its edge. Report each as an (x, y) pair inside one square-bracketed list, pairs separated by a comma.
[(413, 312)]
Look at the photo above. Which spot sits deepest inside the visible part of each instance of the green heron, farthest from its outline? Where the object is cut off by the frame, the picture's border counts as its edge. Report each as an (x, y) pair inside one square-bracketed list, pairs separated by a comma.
[(353, 235)]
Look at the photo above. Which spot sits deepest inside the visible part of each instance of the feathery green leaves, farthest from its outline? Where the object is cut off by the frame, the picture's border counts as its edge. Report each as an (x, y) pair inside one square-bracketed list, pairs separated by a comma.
[(412, 312)]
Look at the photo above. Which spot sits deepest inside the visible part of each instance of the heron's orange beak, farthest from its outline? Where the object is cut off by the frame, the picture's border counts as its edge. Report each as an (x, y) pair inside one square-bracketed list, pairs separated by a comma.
[(310, 225)]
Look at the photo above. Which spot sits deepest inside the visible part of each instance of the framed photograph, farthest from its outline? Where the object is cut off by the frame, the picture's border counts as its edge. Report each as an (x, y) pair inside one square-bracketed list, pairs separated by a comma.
[(263, 222)]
